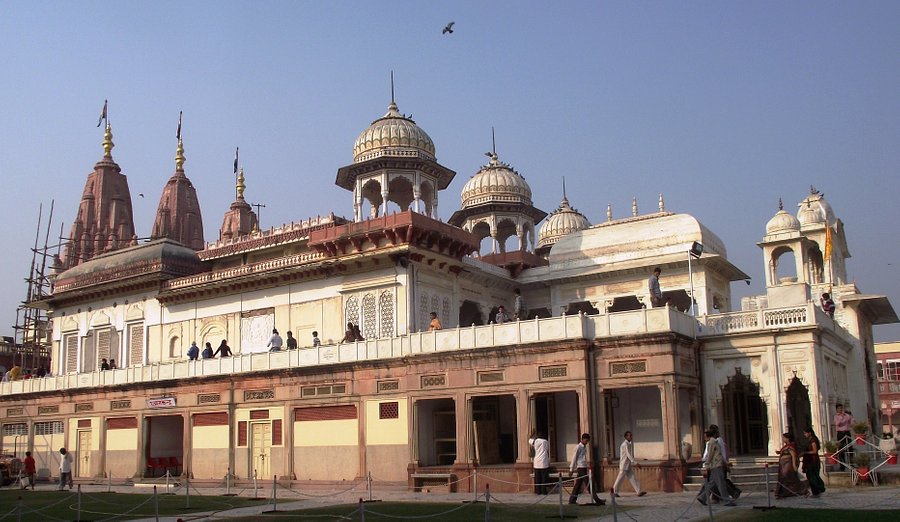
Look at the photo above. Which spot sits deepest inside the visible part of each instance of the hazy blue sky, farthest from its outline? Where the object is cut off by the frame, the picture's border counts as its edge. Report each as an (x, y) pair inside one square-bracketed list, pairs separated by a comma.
[(722, 106)]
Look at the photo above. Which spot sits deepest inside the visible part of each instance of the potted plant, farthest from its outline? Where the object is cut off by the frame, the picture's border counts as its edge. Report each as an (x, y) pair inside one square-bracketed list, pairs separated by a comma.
[(830, 448), (862, 462), (860, 429)]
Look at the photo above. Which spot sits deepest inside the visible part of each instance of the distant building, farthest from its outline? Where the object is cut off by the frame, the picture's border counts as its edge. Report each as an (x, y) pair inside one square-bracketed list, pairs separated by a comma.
[(888, 355), (404, 402)]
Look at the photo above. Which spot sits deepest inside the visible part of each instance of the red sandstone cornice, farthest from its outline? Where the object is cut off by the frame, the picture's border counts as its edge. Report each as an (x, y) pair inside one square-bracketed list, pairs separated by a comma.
[(285, 234), (515, 261), (405, 228)]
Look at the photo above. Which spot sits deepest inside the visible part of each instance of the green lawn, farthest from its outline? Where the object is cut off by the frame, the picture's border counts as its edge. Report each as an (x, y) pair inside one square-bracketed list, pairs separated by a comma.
[(45, 505), (808, 515), (457, 512)]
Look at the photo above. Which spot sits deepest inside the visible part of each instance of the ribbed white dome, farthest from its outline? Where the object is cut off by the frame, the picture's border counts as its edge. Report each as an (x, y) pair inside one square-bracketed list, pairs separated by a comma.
[(394, 134), (561, 222), (815, 210), (782, 222), (496, 182)]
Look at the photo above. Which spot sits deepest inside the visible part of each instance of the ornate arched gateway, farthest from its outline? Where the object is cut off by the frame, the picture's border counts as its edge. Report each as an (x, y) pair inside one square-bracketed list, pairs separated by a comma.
[(745, 425)]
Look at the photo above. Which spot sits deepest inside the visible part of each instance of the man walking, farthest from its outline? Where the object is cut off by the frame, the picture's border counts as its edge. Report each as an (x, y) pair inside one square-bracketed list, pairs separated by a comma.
[(580, 467), (714, 471), (627, 464), (541, 463)]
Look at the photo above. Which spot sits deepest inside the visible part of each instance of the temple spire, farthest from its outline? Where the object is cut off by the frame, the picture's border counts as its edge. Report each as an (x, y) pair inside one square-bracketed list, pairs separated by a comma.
[(609, 211), (493, 141), (780, 204), (634, 209), (662, 204)]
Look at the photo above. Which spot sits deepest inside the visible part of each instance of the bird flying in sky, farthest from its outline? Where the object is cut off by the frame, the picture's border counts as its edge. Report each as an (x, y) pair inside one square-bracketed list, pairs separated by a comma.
[(448, 28)]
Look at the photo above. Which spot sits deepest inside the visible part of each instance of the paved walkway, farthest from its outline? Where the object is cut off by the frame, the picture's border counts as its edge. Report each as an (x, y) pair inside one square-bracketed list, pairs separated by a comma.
[(653, 507)]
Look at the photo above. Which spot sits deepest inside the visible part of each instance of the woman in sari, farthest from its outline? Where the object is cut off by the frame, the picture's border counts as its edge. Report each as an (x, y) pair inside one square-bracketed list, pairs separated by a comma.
[(812, 464), (789, 483)]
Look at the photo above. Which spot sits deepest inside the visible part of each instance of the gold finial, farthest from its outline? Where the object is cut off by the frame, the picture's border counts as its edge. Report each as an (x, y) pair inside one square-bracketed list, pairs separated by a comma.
[(634, 211), (240, 185), (609, 211), (662, 205), (107, 142), (179, 157)]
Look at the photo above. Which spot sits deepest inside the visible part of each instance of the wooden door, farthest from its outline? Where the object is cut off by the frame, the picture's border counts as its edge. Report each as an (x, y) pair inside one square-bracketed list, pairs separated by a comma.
[(261, 448), (83, 452)]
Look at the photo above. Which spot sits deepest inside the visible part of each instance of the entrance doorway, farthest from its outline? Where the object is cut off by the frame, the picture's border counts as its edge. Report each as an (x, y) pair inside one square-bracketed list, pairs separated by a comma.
[(260, 448), (494, 429), (745, 421), (470, 314), (83, 464), (555, 415), (798, 410), (164, 444)]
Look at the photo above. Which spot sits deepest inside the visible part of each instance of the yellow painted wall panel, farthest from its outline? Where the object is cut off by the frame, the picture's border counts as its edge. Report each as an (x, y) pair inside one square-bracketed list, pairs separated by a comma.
[(386, 431), (210, 437), (125, 439), (326, 433)]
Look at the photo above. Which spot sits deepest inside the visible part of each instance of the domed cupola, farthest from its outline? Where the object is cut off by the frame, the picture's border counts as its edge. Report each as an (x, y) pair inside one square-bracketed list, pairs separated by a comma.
[(814, 210), (496, 182), (782, 222), (496, 202), (561, 222), (394, 134), (394, 168)]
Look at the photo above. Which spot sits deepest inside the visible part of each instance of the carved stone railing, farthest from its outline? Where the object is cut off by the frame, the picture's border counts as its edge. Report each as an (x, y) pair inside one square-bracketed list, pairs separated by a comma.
[(768, 319), (550, 329)]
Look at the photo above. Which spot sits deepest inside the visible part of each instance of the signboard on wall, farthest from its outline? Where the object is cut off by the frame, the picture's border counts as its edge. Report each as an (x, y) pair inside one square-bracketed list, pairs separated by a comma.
[(161, 402)]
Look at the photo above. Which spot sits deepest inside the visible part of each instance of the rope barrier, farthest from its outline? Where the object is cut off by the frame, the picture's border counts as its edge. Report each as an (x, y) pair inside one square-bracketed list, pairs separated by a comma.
[(432, 515)]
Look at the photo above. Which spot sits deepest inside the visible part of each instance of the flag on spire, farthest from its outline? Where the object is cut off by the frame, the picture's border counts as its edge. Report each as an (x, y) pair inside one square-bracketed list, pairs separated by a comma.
[(178, 131), (103, 113), (827, 254), (236, 150)]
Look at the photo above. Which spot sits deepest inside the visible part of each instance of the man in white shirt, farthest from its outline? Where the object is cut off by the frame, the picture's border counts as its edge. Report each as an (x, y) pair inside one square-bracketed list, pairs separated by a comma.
[(627, 464), (275, 342), (580, 467), (541, 463), (65, 469)]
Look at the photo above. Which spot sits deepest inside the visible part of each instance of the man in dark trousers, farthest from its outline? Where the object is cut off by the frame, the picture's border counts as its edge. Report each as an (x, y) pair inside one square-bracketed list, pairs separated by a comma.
[(580, 467), (541, 463)]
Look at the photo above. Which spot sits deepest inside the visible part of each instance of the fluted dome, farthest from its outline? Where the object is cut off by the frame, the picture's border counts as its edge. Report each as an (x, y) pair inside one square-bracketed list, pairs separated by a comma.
[(815, 210), (394, 134), (561, 222), (782, 222), (496, 182)]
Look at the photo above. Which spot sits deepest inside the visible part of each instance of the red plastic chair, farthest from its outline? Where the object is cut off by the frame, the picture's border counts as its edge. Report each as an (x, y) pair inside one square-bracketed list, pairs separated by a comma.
[(174, 463), (153, 464)]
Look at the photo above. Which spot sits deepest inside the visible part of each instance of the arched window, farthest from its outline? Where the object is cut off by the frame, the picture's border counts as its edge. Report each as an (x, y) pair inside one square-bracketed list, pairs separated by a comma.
[(386, 304), (351, 313), (369, 319)]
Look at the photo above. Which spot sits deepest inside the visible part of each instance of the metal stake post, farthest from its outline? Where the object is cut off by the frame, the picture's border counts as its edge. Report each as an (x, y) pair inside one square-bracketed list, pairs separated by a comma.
[(369, 484), (187, 491), (559, 485), (487, 503), (709, 507), (612, 497), (78, 512), (228, 483), (167, 482), (255, 485), (108, 482), (155, 505), (19, 509), (475, 485), (768, 489), (362, 511), (274, 493)]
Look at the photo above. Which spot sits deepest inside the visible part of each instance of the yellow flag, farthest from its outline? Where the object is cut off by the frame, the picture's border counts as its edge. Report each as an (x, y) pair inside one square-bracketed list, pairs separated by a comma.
[(827, 241)]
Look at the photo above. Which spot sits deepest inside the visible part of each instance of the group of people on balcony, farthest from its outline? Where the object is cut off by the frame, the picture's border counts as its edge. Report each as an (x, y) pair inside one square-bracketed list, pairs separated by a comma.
[(352, 334), (194, 352), (16, 373)]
